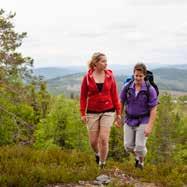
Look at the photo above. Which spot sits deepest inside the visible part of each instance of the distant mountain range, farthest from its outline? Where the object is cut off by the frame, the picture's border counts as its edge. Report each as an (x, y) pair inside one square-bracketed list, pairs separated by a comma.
[(168, 79), (69, 84), (53, 72), (171, 79)]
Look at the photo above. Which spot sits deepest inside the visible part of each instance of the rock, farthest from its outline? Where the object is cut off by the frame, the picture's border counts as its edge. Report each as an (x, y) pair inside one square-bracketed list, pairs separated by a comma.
[(81, 182), (97, 182), (102, 179)]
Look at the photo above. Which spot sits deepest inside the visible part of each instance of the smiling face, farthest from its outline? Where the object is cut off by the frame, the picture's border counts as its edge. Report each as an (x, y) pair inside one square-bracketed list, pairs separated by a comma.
[(101, 64), (138, 77), (140, 72)]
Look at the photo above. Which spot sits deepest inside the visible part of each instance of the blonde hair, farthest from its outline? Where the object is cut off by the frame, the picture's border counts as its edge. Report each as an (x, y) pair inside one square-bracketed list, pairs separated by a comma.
[(95, 58)]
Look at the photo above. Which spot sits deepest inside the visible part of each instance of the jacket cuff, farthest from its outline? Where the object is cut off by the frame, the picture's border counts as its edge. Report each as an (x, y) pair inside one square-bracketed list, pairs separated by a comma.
[(83, 113), (118, 112)]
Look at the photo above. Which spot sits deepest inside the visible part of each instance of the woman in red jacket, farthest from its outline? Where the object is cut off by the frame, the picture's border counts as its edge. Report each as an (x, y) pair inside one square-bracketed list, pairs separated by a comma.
[(98, 103)]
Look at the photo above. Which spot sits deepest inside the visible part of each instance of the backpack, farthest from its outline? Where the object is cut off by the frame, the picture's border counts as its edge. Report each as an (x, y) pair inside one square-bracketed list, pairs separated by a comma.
[(149, 81)]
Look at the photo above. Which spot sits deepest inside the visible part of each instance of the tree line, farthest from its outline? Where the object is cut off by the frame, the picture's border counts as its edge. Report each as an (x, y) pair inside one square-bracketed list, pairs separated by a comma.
[(31, 116)]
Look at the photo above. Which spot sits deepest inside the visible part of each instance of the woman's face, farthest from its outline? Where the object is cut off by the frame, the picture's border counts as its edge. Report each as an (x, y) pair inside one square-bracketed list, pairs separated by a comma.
[(138, 77), (101, 64)]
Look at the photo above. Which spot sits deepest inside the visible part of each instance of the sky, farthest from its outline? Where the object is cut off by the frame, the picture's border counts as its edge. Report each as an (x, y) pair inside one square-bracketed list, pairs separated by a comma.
[(68, 32)]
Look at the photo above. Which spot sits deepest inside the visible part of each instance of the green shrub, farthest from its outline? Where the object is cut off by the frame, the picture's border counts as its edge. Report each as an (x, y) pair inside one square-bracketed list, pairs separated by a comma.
[(24, 166)]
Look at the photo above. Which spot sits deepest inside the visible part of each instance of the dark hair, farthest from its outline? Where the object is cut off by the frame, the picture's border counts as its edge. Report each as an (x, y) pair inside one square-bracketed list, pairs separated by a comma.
[(141, 67)]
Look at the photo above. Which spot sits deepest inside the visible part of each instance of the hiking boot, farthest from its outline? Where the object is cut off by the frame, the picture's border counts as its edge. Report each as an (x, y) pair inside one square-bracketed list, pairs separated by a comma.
[(136, 163), (97, 158), (140, 165), (102, 165)]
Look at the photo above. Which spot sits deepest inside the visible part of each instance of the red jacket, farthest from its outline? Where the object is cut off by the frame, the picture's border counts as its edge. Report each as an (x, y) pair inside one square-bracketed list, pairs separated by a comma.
[(93, 100)]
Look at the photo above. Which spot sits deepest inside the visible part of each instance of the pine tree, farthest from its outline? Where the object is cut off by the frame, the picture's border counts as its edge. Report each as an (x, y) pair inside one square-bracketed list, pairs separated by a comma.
[(163, 141), (17, 119)]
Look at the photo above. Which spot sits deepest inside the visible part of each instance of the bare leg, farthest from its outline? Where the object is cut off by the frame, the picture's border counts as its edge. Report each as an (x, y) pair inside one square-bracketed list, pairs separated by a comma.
[(94, 140), (104, 142)]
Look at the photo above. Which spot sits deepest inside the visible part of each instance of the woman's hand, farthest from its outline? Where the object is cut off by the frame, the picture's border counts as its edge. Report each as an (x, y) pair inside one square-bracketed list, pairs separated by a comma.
[(147, 130), (84, 119), (117, 121)]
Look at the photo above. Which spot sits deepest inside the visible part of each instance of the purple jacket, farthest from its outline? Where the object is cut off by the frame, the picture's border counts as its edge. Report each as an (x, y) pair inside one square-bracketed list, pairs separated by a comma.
[(138, 105)]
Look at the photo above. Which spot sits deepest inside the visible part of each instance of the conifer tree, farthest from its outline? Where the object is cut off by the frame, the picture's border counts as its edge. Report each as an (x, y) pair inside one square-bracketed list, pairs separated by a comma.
[(163, 141)]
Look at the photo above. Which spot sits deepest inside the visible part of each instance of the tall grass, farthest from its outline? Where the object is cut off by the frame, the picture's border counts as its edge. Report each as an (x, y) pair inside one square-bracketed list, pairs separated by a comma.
[(24, 166)]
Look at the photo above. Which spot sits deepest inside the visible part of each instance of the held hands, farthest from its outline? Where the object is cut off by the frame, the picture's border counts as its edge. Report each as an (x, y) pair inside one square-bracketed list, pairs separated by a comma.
[(148, 130), (117, 121)]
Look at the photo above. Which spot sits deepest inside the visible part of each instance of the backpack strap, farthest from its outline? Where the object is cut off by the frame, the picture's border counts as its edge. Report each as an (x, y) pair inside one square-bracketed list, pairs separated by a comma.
[(127, 89), (148, 85)]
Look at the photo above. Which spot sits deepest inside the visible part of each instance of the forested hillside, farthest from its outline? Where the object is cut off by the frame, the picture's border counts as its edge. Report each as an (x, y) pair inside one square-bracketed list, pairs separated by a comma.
[(54, 72), (118, 69), (43, 140), (171, 79), (167, 79)]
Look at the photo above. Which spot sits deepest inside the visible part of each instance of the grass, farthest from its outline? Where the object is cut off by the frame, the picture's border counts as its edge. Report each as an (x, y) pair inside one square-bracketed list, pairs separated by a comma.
[(24, 167), (165, 174)]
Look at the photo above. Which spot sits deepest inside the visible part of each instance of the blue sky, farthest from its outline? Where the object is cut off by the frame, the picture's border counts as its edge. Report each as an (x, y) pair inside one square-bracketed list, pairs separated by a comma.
[(67, 32)]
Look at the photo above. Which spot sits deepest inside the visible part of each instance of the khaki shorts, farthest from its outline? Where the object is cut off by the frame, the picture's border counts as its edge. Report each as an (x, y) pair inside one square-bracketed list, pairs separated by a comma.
[(95, 121)]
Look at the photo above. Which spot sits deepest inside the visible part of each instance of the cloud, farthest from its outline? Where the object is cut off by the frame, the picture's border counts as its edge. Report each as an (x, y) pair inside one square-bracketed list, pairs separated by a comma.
[(117, 26), (127, 31), (156, 2), (88, 34)]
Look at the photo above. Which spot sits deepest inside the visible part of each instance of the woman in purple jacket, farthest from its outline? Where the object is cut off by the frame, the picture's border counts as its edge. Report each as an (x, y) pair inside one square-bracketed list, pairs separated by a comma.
[(140, 101)]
